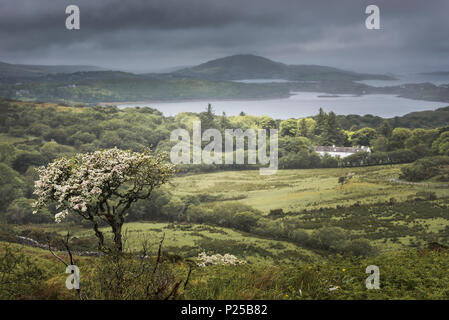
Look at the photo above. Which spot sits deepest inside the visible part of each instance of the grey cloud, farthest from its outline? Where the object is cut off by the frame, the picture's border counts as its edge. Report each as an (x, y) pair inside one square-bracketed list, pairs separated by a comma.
[(139, 34)]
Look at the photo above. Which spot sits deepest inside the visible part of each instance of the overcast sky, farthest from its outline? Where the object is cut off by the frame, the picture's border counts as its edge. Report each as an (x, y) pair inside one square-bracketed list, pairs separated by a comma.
[(149, 35)]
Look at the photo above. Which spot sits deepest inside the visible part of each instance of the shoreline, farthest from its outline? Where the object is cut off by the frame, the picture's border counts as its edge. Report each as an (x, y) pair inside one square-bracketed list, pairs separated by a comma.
[(115, 103), (323, 95)]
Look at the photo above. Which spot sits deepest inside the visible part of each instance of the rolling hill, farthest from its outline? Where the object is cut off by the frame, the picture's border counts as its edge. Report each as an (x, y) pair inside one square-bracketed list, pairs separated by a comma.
[(246, 66), (18, 71)]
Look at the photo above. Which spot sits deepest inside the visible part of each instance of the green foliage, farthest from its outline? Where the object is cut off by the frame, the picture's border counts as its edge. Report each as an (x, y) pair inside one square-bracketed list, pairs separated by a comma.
[(306, 127), (441, 145), (7, 152), (245, 220), (222, 214), (385, 129), (331, 131), (377, 158), (20, 277), (25, 159), (290, 144), (19, 212), (288, 128), (426, 168), (301, 160), (421, 137), (407, 274), (398, 138), (52, 150), (126, 277), (411, 274), (326, 237), (363, 137), (11, 186), (266, 123), (109, 86)]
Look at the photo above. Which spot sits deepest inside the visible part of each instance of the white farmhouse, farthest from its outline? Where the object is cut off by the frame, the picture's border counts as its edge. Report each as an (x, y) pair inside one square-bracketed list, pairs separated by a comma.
[(342, 152)]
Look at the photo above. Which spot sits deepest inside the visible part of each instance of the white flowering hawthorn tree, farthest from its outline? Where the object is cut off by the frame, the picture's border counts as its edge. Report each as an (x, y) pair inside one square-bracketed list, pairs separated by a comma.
[(101, 186)]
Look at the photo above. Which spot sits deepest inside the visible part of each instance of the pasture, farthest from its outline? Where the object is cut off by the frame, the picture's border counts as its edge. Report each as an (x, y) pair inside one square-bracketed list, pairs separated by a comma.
[(295, 190)]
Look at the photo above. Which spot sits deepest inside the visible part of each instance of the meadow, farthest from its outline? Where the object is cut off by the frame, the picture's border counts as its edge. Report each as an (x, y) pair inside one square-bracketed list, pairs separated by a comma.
[(296, 211), (295, 190), (398, 221), (188, 240)]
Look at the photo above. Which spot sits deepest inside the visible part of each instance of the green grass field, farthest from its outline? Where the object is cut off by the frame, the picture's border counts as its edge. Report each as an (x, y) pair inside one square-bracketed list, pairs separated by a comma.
[(189, 240), (363, 212), (294, 190)]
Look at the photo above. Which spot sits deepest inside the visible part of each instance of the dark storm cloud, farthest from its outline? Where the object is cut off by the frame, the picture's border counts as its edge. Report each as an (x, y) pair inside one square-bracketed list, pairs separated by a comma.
[(143, 35)]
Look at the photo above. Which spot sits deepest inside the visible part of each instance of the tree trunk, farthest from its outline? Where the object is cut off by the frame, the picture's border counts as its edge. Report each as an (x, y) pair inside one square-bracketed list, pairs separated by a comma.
[(99, 235), (117, 230)]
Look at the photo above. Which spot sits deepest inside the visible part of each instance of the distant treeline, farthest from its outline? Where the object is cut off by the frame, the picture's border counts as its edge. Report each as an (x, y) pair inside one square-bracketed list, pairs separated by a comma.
[(421, 119)]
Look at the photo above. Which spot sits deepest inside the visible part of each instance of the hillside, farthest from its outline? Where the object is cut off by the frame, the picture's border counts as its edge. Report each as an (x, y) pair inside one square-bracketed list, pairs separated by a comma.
[(420, 119), (424, 119), (408, 274), (247, 66), (114, 86), (18, 71)]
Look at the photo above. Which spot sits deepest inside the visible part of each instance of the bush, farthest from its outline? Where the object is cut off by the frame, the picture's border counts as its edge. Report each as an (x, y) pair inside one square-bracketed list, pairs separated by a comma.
[(299, 236), (127, 277), (20, 212), (11, 186), (356, 247), (21, 277), (324, 238), (25, 159), (245, 220), (425, 168)]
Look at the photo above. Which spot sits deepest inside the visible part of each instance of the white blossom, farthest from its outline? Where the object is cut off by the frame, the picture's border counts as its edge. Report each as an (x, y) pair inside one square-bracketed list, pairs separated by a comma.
[(218, 259), (76, 184)]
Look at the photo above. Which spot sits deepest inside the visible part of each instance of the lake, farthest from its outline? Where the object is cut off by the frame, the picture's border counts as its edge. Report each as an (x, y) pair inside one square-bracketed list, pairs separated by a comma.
[(300, 104), (400, 79)]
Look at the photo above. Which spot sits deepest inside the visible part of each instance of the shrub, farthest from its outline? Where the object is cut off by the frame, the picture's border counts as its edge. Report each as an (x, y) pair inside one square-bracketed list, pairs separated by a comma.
[(425, 168), (356, 247), (21, 278), (324, 238), (299, 236), (245, 220)]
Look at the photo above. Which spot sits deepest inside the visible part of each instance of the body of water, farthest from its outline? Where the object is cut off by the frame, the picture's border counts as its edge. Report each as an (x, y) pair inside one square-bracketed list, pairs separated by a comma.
[(300, 104), (436, 79), (262, 81)]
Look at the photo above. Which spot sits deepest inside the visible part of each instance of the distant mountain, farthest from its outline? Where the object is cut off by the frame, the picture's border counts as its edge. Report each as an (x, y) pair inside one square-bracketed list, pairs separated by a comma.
[(245, 66), (17, 71)]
